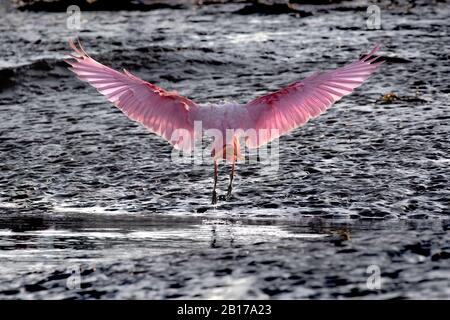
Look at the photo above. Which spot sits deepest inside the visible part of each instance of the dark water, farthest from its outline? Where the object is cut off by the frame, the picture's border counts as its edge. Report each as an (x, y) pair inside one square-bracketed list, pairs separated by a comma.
[(92, 207)]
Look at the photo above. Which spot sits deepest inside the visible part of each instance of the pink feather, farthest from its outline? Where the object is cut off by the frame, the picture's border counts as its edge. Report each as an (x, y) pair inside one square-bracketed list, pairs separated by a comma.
[(160, 111), (164, 112), (305, 99)]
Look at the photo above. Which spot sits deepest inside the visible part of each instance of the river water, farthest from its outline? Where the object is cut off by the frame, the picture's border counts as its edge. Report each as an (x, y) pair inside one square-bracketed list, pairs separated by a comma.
[(91, 205)]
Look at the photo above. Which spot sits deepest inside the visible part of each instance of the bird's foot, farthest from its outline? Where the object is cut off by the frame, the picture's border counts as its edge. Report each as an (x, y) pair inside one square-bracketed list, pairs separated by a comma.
[(214, 197), (228, 196)]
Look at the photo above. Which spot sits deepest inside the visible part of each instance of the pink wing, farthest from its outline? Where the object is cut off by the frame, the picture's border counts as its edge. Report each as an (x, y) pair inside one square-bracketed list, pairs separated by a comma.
[(291, 107), (160, 111)]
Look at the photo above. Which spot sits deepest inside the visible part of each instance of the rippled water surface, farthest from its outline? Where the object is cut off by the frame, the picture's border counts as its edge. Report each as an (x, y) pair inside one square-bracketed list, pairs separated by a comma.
[(91, 206)]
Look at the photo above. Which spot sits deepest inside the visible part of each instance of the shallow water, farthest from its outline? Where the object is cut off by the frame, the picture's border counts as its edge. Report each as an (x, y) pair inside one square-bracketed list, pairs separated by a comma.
[(92, 207)]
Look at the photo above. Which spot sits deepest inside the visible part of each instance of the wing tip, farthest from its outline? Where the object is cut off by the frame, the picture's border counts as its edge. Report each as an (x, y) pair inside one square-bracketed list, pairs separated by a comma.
[(78, 48), (369, 58)]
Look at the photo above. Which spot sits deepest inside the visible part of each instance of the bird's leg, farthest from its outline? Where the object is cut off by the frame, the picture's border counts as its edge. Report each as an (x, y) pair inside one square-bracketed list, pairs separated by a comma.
[(214, 193), (230, 186)]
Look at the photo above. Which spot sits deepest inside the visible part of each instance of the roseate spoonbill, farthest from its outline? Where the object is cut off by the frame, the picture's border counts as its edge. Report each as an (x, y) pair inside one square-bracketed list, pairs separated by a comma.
[(270, 116)]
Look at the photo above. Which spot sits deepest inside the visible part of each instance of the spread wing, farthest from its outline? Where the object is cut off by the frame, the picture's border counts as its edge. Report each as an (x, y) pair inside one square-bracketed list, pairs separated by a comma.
[(162, 112), (288, 108)]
